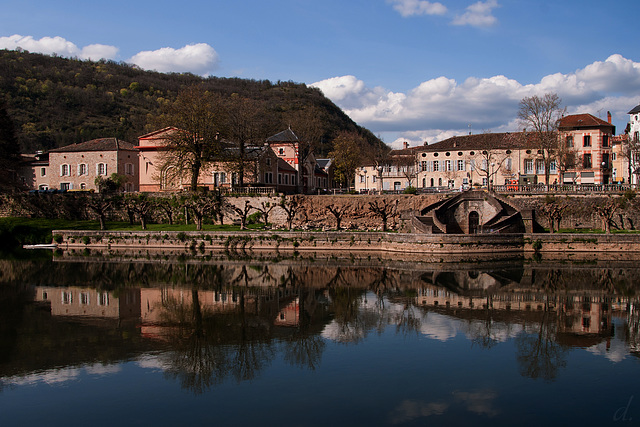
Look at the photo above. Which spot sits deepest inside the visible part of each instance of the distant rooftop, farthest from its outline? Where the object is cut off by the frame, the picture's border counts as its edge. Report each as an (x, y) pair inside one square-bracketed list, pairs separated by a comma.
[(100, 144)]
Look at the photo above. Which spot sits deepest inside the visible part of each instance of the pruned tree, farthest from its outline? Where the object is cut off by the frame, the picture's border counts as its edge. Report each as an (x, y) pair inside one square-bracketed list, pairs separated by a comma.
[(385, 210), (347, 156), (540, 116), (195, 140), (142, 205), (168, 205), (201, 205), (607, 210), (553, 212), (265, 209), (243, 212), (101, 204), (338, 212), (291, 206)]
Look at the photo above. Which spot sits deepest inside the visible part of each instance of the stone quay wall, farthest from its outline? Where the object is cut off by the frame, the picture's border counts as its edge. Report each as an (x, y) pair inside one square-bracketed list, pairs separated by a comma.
[(345, 242)]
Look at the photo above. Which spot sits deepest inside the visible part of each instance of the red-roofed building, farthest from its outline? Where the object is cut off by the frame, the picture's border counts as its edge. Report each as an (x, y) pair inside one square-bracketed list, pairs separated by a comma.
[(592, 140)]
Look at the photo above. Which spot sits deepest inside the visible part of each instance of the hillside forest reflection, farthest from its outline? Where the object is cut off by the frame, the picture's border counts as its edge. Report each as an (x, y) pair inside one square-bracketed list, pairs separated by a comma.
[(220, 320)]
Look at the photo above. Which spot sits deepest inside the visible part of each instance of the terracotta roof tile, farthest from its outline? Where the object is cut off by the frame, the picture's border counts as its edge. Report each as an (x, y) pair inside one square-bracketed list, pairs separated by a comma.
[(508, 140), (100, 144), (582, 121)]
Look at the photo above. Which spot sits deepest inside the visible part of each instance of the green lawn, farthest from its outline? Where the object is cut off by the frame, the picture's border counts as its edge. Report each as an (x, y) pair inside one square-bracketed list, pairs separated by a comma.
[(24, 231)]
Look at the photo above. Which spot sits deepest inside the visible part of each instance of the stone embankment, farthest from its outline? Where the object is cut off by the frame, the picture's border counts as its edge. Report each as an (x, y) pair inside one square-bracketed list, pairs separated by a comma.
[(350, 242)]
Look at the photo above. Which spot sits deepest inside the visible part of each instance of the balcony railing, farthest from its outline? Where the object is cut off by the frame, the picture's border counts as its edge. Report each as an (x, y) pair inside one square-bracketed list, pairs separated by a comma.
[(565, 188)]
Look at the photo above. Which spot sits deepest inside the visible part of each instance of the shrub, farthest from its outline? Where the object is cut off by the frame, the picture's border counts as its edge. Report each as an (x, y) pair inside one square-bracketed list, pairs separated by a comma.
[(57, 238), (410, 190)]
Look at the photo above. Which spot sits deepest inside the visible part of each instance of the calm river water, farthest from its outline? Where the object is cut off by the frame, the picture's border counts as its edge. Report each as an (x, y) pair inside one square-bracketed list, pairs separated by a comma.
[(316, 340)]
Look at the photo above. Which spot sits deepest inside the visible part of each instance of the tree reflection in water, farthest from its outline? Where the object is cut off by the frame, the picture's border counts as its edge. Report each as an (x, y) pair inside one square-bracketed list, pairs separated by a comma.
[(545, 309)]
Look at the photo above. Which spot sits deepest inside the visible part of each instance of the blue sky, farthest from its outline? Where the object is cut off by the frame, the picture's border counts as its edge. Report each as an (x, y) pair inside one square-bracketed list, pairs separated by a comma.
[(406, 69)]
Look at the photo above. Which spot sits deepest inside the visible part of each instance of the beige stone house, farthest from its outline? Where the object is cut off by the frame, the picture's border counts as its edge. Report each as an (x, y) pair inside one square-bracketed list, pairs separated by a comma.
[(76, 166), (460, 162)]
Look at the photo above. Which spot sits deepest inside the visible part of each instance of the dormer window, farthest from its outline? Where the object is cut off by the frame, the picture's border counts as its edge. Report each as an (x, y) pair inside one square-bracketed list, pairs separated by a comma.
[(280, 151)]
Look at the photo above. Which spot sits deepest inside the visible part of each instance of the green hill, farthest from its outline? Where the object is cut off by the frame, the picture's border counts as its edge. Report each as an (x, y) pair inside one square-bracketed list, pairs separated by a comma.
[(56, 101)]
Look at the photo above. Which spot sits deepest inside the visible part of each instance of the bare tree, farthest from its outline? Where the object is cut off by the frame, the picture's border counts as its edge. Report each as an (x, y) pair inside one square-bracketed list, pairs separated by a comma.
[(265, 209), (406, 164), (243, 212), (141, 205), (489, 162), (541, 115), (195, 142), (631, 153), (337, 212), (553, 212), (101, 205), (244, 125), (291, 206), (385, 210), (607, 210)]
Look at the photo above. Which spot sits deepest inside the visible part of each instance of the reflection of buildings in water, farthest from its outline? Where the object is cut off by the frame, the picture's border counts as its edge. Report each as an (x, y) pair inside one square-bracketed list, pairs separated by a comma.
[(86, 302), (583, 318), (289, 315)]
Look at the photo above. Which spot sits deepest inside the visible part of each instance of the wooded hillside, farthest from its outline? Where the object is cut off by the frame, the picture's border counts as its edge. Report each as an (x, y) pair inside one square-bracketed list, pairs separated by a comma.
[(56, 101)]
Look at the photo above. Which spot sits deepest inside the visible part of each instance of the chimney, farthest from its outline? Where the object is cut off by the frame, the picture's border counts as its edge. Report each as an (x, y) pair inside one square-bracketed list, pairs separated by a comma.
[(406, 145), (609, 116)]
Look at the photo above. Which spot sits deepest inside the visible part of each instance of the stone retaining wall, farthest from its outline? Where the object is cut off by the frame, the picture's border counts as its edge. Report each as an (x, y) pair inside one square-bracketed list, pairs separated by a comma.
[(349, 242)]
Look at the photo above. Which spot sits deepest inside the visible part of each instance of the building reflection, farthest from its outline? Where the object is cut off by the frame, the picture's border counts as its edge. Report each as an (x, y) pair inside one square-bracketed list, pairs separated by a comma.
[(230, 319)]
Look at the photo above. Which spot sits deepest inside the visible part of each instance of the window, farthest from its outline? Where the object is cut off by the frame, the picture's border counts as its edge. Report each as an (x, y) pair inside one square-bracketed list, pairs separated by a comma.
[(65, 170), (436, 165), (67, 297), (423, 166), (286, 179), (473, 164), (101, 169), (43, 187), (508, 164), (553, 168), (84, 298), (103, 298), (65, 186), (586, 161), (484, 165), (362, 178), (268, 177), (528, 166), (280, 178), (569, 141), (83, 186), (461, 165), (614, 157), (43, 171), (268, 161), (586, 141), (82, 169), (128, 169), (605, 140), (280, 151), (448, 165), (539, 167)]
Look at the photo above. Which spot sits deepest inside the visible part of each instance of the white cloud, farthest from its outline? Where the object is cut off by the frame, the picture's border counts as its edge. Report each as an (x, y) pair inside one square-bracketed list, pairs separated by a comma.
[(417, 7), (59, 46), (478, 15), (440, 107), (197, 58)]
